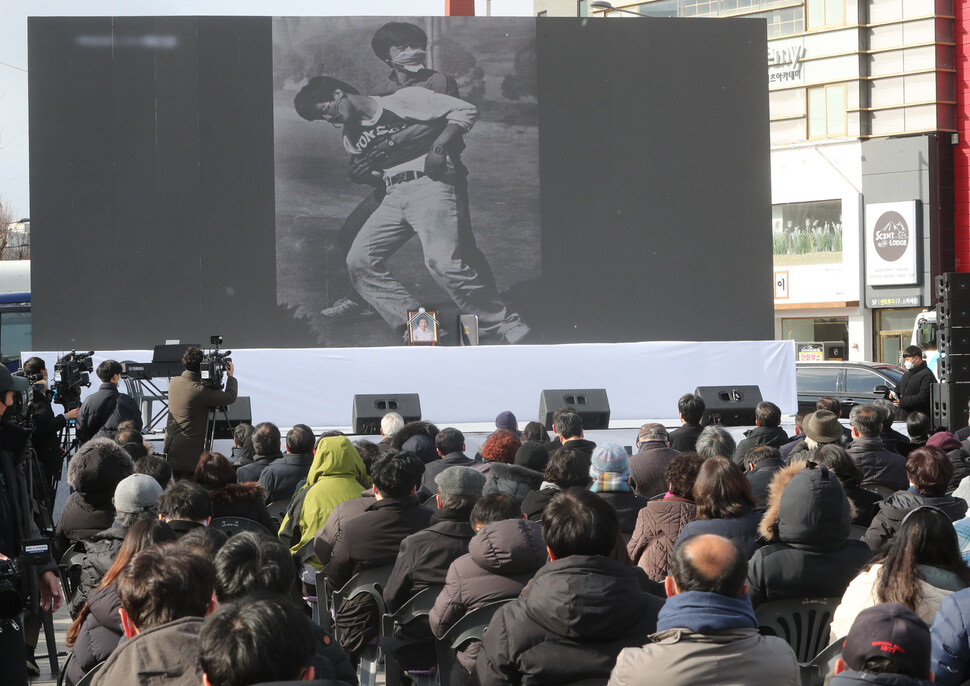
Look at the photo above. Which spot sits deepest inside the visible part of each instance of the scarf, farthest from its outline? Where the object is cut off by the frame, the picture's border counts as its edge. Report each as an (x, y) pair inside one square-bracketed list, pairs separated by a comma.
[(611, 481), (704, 613)]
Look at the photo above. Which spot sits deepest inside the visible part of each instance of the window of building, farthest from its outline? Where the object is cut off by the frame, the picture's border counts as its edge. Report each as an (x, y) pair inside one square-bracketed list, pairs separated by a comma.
[(807, 329), (582, 8), (823, 13), (826, 111), (664, 8), (787, 21), (807, 228)]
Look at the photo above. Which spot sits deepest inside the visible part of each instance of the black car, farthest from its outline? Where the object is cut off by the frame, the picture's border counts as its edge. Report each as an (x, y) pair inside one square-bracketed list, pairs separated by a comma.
[(851, 383)]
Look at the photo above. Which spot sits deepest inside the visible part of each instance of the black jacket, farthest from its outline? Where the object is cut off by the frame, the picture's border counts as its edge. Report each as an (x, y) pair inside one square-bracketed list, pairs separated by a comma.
[(647, 468), (806, 526), (685, 438), (894, 508), (433, 469), (247, 500), (627, 506), (281, 477), (104, 410), (535, 502), (100, 552), (580, 444), (760, 435), (99, 633), (878, 465), (742, 530), (760, 478), (252, 471), (371, 539), (914, 391), (569, 625)]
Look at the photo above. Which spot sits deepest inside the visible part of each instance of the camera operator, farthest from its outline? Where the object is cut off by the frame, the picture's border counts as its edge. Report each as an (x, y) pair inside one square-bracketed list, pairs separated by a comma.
[(47, 425), (189, 404), (19, 574), (106, 408)]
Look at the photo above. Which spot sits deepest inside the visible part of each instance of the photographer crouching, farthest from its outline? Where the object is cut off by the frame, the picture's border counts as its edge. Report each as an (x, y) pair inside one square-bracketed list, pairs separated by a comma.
[(26, 568), (191, 402)]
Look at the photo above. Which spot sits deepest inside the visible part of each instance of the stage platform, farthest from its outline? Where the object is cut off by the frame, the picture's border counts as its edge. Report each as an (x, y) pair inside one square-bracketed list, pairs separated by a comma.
[(469, 386)]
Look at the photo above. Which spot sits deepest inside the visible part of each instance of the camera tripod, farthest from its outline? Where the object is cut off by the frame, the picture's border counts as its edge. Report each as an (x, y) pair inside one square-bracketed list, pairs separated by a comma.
[(210, 425)]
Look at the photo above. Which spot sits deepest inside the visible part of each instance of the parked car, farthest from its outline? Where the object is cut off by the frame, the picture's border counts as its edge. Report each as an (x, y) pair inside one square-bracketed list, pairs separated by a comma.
[(851, 383)]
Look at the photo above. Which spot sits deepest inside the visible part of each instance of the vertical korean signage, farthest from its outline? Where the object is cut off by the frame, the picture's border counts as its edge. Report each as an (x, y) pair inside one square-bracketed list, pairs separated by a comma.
[(892, 237)]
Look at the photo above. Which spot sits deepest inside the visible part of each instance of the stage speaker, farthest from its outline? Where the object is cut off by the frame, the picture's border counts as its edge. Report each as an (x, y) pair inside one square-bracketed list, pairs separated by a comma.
[(953, 368), (954, 286), (370, 409), (948, 403), (240, 412), (953, 313), (591, 404), (729, 405), (954, 340)]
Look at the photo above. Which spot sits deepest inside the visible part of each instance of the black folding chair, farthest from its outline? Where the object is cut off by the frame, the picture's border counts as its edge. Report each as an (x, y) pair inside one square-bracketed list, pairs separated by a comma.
[(233, 525), (469, 628), (371, 582), (803, 623), (813, 673), (418, 606), (277, 510)]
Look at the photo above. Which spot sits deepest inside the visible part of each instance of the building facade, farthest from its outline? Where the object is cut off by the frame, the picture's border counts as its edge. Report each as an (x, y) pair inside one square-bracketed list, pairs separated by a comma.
[(869, 158)]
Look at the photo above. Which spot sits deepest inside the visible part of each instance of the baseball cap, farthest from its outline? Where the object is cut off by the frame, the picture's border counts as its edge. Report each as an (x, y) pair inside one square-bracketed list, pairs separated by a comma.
[(893, 631), (506, 420), (137, 493), (652, 432), (9, 382)]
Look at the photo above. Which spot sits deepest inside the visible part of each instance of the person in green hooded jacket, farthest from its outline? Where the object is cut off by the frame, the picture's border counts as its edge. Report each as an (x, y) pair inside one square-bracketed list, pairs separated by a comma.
[(337, 474)]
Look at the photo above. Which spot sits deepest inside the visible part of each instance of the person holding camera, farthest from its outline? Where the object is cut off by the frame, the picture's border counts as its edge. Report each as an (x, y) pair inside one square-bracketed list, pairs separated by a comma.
[(26, 568), (189, 404), (47, 425), (106, 408)]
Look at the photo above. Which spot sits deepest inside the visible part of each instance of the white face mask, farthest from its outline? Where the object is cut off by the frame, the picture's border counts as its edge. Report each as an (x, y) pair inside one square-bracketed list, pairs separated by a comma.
[(410, 59), (908, 364)]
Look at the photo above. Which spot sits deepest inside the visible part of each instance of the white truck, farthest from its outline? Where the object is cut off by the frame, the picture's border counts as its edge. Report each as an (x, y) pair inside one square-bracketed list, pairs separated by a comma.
[(925, 333)]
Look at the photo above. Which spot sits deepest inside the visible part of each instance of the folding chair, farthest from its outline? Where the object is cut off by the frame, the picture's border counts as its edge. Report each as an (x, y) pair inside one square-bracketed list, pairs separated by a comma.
[(371, 582), (802, 622), (469, 628), (418, 606), (233, 525), (813, 673)]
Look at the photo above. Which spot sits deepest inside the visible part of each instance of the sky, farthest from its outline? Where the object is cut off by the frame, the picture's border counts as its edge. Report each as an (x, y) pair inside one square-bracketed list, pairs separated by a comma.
[(14, 185)]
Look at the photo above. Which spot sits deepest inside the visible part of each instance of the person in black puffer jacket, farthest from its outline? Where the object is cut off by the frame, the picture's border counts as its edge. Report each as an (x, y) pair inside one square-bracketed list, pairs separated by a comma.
[(94, 472), (579, 611), (136, 498), (230, 499), (913, 391), (929, 472), (806, 526)]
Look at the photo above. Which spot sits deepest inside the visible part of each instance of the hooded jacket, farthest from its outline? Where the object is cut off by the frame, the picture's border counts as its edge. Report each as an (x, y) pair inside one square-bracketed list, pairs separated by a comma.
[(658, 526), (513, 480), (337, 474), (94, 472), (171, 649), (99, 633), (893, 509), (806, 526), (577, 615), (502, 558), (743, 529), (410, 430)]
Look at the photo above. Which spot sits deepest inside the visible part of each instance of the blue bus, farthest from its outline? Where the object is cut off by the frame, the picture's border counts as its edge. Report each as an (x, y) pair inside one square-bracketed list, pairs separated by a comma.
[(14, 311)]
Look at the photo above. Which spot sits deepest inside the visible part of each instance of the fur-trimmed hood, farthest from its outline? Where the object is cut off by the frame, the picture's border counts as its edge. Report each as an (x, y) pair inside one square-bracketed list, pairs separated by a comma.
[(513, 480), (98, 466), (234, 493), (806, 505), (413, 429)]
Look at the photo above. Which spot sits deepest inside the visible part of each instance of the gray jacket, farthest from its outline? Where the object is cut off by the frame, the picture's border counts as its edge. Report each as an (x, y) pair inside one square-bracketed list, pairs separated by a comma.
[(740, 657)]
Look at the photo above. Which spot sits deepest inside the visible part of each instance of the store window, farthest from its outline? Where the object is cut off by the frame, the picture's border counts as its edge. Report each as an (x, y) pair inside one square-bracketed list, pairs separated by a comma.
[(807, 232), (894, 330), (826, 111), (825, 13), (806, 329)]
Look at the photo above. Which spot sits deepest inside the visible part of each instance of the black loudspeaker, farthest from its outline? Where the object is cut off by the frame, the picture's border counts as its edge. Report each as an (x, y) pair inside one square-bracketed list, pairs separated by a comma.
[(954, 286), (948, 403), (954, 340), (370, 409), (729, 405), (240, 412), (953, 368), (591, 404), (953, 313)]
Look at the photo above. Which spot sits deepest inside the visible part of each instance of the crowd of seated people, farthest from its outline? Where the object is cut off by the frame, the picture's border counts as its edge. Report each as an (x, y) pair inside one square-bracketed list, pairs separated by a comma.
[(628, 569)]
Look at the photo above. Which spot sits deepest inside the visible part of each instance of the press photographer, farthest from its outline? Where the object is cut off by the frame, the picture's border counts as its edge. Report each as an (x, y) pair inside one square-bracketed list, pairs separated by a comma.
[(26, 568), (47, 425), (106, 408), (192, 398)]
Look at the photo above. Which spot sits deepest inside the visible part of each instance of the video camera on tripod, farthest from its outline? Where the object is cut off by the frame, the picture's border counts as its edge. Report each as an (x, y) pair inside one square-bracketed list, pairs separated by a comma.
[(71, 372), (213, 367)]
